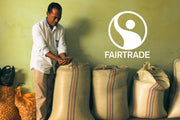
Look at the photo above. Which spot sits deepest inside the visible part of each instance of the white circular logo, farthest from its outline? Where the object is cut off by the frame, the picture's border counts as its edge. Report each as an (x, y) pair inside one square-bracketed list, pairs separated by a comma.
[(131, 39)]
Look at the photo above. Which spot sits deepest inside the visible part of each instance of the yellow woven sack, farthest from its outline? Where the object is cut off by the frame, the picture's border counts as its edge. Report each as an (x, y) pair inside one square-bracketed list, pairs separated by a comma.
[(174, 109), (148, 92), (26, 104), (110, 92), (71, 93), (8, 110)]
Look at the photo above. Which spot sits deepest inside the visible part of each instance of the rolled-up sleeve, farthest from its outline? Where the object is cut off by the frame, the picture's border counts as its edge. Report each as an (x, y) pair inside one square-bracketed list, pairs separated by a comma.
[(62, 44), (39, 40)]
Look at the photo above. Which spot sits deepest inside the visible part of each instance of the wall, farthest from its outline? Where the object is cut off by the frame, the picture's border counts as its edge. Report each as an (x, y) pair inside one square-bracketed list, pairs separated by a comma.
[(86, 24)]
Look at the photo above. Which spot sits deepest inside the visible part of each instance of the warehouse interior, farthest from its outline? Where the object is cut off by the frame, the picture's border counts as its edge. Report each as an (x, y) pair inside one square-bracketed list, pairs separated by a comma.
[(86, 35)]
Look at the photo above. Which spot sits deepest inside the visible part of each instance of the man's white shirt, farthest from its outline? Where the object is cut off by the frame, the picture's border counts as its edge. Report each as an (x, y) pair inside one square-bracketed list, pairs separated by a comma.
[(46, 40)]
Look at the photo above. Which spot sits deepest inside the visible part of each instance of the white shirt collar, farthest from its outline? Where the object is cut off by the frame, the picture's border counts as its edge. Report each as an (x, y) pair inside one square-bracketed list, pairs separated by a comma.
[(47, 25)]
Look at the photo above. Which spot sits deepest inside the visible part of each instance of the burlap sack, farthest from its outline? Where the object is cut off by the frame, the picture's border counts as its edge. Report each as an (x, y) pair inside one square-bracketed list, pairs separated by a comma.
[(71, 93), (110, 92), (26, 104), (148, 92), (174, 109), (8, 110)]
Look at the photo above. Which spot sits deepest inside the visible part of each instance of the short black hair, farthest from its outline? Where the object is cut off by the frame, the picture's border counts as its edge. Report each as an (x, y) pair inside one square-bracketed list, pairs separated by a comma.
[(54, 5)]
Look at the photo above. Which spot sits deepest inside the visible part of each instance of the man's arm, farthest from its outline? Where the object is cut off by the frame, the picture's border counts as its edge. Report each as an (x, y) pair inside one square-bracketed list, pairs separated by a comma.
[(64, 57), (54, 57), (39, 41)]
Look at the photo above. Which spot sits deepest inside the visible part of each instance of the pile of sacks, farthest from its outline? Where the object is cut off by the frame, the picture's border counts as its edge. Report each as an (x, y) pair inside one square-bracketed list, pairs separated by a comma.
[(72, 93), (104, 96), (78, 97), (14, 105)]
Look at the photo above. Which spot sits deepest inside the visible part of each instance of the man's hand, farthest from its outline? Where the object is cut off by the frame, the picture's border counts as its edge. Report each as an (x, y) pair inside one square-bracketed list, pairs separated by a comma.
[(68, 59), (64, 61), (61, 62)]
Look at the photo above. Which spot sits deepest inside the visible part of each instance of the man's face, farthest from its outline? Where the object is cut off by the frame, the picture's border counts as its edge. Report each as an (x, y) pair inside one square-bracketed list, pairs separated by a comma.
[(53, 17)]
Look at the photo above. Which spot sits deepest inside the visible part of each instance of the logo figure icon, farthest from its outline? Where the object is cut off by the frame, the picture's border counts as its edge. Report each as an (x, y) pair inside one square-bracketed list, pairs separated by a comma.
[(131, 39)]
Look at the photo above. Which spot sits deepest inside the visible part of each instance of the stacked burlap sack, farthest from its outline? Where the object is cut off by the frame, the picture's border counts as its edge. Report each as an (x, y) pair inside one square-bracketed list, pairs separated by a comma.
[(148, 92), (110, 92), (12, 104), (71, 93), (26, 104), (8, 110), (174, 109)]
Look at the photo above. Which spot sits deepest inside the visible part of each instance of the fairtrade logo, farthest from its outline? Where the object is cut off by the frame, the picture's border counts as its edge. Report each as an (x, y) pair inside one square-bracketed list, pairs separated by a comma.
[(131, 40)]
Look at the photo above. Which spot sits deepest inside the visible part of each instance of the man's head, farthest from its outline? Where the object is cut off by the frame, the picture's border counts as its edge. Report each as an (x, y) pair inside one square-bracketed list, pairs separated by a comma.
[(54, 14)]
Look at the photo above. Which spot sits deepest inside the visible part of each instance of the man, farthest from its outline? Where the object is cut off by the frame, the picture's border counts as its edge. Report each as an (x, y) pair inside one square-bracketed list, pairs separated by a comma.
[(48, 49)]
